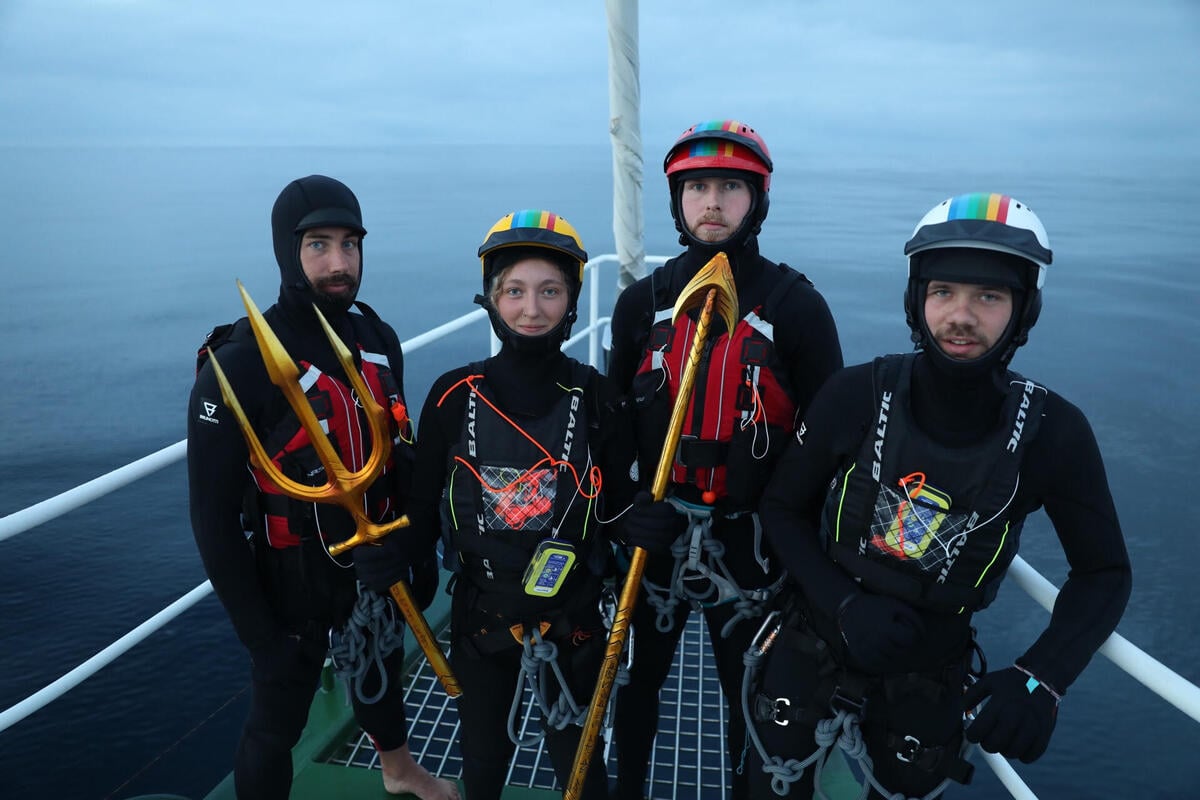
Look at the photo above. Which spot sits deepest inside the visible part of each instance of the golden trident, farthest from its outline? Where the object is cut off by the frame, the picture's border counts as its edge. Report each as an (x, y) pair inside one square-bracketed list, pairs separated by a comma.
[(342, 487), (712, 290)]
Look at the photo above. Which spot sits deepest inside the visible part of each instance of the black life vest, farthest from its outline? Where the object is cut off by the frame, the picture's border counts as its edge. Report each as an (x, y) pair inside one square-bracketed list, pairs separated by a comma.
[(283, 522), (505, 495), (923, 522), (741, 412)]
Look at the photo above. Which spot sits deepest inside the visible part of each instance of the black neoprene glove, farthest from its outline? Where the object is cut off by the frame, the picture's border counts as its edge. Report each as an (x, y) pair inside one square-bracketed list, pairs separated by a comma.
[(380, 564), (1019, 716), (424, 582), (652, 525), (877, 629)]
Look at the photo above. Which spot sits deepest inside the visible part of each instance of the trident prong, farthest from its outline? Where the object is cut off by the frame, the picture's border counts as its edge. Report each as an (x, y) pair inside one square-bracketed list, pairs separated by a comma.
[(342, 486)]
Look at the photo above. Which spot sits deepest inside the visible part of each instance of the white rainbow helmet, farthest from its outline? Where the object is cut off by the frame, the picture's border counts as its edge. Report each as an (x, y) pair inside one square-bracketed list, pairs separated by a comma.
[(981, 221)]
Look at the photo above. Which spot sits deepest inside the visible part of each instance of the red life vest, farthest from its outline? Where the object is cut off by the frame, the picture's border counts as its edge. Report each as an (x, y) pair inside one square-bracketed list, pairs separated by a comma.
[(286, 522), (739, 406)]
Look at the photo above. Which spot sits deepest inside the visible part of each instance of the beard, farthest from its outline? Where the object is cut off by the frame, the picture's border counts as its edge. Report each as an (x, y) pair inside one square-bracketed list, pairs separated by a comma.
[(711, 236), (340, 289)]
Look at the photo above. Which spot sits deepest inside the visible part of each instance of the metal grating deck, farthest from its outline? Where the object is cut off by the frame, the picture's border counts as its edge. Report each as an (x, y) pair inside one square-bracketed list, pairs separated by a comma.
[(689, 756)]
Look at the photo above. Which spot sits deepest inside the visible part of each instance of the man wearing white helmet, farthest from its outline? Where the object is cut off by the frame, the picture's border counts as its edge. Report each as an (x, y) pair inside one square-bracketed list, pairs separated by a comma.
[(897, 511)]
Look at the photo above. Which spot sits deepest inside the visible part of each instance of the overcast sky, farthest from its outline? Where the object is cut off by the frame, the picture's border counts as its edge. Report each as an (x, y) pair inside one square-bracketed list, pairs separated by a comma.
[(853, 73)]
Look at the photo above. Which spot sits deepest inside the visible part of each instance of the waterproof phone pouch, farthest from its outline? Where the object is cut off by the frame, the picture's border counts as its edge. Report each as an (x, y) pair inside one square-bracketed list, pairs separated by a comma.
[(916, 522), (549, 567)]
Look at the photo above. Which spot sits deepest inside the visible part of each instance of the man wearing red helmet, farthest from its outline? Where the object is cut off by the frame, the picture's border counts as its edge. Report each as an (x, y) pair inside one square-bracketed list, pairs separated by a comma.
[(752, 384), (897, 512)]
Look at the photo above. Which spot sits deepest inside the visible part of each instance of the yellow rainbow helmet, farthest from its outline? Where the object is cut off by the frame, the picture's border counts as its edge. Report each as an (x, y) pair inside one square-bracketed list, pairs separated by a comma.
[(532, 228)]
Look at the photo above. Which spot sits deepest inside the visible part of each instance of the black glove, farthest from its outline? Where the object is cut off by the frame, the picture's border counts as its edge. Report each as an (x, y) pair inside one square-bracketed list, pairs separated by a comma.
[(1018, 718), (380, 564), (652, 525), (424, 581), (878, 629)]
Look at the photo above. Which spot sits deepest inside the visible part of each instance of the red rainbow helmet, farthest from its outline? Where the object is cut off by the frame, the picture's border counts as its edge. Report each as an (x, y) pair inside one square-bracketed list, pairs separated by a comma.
[(713, 147), (720, 144)]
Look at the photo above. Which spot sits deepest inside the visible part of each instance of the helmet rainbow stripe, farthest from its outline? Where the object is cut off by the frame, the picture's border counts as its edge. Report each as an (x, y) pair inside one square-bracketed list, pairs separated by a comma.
[(534, 218), (730, 125), (992, 207), (720, 144)]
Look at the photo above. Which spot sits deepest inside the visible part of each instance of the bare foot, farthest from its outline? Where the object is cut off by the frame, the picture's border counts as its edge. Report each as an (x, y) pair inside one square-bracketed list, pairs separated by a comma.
[(403, 775), (424, 786)]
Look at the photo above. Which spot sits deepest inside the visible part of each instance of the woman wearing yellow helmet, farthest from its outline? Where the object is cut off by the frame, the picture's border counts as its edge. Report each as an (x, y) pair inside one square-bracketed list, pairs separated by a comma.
[(522, 459)]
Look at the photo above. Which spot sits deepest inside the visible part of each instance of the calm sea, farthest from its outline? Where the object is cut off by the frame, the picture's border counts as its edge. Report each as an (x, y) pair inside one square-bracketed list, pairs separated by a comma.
[(118, 261)]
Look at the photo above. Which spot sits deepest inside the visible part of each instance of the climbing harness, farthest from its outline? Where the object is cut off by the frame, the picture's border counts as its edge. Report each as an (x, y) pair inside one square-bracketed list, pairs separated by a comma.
[(700, 576), (848, 705)]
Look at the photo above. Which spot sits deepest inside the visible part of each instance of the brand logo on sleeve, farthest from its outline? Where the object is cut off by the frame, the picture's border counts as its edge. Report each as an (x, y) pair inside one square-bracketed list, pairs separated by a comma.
[(208, 411)]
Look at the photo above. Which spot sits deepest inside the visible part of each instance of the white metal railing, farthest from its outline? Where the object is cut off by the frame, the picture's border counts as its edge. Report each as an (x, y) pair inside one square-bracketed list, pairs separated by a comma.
[(84, 493), (1156, 676)]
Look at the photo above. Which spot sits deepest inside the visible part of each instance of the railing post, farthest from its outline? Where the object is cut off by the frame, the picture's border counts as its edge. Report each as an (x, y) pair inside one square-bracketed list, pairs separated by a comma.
[(593, 315)]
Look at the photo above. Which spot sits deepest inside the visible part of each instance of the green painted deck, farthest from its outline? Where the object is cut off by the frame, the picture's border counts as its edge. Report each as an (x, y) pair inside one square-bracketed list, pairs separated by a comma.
[(334, 759)]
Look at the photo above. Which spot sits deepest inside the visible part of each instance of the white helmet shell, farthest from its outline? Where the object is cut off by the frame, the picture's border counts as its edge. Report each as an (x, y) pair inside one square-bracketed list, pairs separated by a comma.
[(987, 222)]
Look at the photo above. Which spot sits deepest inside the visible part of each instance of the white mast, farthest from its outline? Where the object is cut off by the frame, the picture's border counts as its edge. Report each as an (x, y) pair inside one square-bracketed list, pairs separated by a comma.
[(624, 99)]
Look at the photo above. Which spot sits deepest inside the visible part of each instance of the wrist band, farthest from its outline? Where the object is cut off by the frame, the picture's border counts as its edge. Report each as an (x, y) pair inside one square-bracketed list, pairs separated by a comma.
[(1034, 682)]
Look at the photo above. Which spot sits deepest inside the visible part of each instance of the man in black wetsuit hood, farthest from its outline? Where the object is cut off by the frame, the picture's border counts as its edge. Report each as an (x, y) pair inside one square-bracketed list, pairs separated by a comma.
[(752, 383), (266, 553), (899, 508), (305, 205)]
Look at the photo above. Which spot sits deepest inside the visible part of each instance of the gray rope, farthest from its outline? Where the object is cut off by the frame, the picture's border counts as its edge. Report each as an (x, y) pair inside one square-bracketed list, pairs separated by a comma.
[(539, 655), (747, 603), (663, 601), (372, 633), (842, 730), (783, 772), (851, 742)]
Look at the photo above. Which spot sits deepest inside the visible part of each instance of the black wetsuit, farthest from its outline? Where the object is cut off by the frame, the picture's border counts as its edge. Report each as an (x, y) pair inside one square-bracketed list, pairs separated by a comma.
[(485, 656), (1062, 471), (806, 342), (283, 601)]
